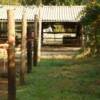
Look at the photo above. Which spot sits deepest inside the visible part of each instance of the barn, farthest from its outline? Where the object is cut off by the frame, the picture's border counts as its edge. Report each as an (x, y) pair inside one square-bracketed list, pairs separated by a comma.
[(60, 24)]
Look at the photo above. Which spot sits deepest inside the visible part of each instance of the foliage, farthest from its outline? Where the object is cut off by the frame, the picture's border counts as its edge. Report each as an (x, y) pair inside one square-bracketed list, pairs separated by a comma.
[(57, 2), (91, 23), (46, 2), (92, 14)]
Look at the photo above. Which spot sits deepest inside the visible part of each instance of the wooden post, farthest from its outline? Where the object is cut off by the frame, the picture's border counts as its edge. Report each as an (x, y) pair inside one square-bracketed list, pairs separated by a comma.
[(23, 50), (39, 5), (83, 38), (29, 49), (80, 32), (36, 24), (11, 57), (39, 33)]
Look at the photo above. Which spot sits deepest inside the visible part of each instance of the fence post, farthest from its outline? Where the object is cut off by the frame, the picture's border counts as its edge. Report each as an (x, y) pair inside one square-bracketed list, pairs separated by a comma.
[(11, 56), (23, 50), (39, 32), (29, 48), (36, 30)]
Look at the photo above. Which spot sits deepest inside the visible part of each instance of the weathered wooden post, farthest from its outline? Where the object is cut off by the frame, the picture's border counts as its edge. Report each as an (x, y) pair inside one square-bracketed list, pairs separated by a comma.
[(23, 50), (29, 49), (36, 27), (39, 32), (11, 56)]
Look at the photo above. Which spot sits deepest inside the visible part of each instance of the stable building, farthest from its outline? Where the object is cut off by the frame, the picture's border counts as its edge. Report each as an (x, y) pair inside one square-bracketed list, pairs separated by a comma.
[(61, 25)]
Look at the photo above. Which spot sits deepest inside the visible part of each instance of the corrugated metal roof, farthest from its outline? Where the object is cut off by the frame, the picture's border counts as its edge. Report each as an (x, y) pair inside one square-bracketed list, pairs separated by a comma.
[(18, 12), (48, 13), (62, 13)]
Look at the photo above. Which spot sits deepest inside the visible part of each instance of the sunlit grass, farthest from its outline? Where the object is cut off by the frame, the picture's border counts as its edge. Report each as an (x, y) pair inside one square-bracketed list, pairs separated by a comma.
[(63, 80)]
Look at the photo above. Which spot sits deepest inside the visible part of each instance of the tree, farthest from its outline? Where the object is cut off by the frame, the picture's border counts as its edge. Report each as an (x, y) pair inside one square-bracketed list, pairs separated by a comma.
[(48, 2), (56, 2), (91, 22)]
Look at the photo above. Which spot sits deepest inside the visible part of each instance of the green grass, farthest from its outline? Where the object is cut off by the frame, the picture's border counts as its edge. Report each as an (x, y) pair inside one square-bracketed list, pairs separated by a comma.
[(63, 80)]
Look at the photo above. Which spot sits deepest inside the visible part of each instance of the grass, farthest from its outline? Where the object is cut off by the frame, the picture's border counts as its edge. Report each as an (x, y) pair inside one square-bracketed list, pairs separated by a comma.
[(63, 80)]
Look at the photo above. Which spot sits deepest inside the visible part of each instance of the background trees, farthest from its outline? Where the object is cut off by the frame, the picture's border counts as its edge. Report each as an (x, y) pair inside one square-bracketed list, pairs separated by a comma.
[(47, 2), (91, 23), (57, 2)]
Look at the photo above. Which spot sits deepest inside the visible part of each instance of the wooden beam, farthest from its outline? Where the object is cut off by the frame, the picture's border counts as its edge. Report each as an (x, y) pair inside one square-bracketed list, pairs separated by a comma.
[(11, 56), (23, 50)]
